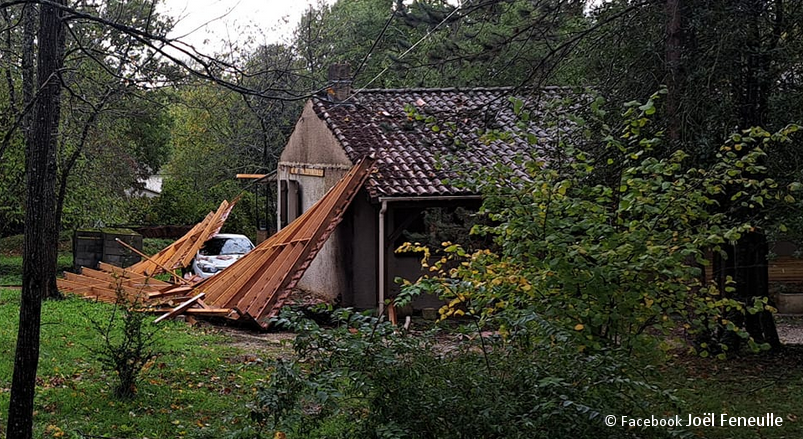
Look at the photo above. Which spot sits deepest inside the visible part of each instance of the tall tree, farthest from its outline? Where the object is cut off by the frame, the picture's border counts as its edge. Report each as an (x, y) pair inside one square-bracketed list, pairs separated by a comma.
[(434, 43), (728, 65), (39, 257)]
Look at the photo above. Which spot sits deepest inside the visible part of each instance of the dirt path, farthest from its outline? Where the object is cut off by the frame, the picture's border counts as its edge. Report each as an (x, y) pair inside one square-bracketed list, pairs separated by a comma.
[(790, 330), (274, 343)]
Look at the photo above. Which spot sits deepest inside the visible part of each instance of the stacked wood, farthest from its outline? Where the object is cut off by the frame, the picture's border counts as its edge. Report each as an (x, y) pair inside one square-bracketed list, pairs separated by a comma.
[(104, 285)]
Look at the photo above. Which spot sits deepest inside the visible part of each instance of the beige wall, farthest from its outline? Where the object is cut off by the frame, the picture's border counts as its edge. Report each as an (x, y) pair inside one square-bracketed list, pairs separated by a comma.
[(312, 143), (312, 146)]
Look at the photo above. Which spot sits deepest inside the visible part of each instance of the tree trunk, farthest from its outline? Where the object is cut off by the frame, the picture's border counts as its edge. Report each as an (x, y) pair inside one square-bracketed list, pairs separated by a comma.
[(28, 68), (674, 48), (752, 282), (752, 279), (39, 250), (60, 35)]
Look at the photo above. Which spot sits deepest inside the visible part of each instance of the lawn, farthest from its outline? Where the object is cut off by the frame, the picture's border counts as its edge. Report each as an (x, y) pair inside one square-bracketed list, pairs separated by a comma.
[(198, 388), (747, 386), (201, 386), (11, 256), (11, 268)]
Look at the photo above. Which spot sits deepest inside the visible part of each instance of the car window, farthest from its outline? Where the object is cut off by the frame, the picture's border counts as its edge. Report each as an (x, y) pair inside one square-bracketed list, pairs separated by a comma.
[(226, 246)]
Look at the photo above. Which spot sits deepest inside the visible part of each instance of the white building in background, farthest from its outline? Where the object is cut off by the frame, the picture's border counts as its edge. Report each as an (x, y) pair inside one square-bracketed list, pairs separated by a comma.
[(150, 187)]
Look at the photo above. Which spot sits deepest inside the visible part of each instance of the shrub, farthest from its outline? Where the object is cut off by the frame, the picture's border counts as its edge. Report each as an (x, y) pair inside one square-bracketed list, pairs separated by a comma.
[(367, 378), (128, 342), (612, 245)]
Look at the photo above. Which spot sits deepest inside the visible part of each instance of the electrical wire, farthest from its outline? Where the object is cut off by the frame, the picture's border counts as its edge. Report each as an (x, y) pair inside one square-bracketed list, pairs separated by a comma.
[(430, 32), (373, 46)]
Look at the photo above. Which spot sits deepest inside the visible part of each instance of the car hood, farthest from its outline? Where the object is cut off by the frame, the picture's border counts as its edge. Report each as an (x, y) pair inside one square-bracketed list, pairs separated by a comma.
[(218, 261)]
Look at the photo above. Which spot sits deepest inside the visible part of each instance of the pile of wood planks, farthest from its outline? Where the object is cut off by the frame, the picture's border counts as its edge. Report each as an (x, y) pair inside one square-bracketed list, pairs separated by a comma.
[(109, 283), (253, 289)]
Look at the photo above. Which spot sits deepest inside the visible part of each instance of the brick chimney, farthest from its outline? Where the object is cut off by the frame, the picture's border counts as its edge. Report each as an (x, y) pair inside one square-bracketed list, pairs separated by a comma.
[(339, 88)]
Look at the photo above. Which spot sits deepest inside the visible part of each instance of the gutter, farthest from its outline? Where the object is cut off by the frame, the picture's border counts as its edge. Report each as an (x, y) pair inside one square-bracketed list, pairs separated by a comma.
[(382, 250), (382, 245)]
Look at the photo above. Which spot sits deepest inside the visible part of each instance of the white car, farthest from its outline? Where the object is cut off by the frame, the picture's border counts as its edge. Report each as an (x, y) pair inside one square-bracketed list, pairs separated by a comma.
[(220, 252)]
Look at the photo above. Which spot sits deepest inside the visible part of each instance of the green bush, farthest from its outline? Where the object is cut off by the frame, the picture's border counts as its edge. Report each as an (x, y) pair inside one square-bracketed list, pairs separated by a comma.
[(128, 342), (610, 243), (367, 378)]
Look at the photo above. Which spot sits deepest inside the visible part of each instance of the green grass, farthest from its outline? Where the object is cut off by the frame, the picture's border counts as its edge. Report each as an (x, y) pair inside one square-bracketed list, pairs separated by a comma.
[(11, 258), (200, 388), (11, 268), (752, 385)]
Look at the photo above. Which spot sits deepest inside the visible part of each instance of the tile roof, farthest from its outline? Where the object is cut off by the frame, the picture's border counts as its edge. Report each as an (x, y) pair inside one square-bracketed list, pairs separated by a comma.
[(420, 157)]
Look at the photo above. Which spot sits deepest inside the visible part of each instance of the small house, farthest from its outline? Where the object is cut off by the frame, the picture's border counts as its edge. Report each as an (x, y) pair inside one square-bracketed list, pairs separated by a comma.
[(422, 139)]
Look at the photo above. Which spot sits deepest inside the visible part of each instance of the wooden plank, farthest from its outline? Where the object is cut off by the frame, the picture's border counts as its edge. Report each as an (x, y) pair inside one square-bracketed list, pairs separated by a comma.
[(143, 255), (202, 312), (170, 292), (179, 309), (209, 312), (244, 275), (72, 287), (331, 213), (168, 255)]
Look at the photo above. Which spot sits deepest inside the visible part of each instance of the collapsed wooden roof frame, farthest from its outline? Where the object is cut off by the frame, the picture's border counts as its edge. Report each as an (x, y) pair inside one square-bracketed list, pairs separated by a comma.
[(257, 284), (180, 253), (253, 289)]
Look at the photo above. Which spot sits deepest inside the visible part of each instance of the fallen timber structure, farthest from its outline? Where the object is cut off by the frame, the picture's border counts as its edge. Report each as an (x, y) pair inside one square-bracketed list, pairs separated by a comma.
[(180, 253), (250, 291)]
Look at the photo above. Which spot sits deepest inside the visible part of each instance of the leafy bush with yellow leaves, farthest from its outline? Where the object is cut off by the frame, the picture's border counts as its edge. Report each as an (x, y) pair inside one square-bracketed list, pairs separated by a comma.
[(612, 245)]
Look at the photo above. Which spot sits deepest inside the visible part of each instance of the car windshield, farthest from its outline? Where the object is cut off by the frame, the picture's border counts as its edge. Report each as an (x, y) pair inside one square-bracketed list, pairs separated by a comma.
[(226, 246)]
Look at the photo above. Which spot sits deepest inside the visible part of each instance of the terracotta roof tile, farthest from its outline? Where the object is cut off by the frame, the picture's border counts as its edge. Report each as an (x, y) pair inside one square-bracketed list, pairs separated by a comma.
[(418, 158)]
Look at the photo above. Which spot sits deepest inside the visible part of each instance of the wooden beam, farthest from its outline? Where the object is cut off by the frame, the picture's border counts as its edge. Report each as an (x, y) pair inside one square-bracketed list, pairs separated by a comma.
[(211, 312), (251, 176), (170, 292), (143, 255), (181, 308)]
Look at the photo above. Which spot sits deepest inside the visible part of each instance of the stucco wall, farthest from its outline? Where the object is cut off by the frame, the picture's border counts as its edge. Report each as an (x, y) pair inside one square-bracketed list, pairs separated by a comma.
[(312, 146), (312, 143)]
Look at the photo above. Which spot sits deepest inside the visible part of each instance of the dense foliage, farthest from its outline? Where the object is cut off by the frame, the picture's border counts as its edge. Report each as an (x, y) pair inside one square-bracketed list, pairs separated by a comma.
[(367, 378), (618, 259)]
